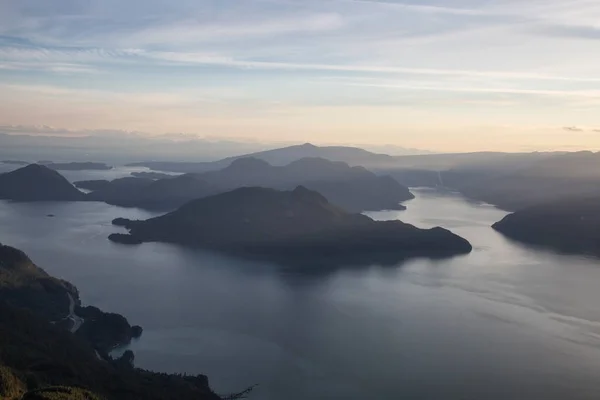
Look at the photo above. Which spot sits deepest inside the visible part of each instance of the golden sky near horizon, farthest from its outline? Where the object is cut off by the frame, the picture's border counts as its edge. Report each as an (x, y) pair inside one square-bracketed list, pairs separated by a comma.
[(446, 76)]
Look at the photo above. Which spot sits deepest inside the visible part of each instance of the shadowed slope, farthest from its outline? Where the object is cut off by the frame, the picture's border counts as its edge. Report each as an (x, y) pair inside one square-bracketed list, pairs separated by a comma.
[(37, 183), (571, 226)]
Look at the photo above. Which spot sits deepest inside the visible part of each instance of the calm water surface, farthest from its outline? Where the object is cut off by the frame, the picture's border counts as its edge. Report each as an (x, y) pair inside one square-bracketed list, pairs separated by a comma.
[(73, 176), (505, 322)]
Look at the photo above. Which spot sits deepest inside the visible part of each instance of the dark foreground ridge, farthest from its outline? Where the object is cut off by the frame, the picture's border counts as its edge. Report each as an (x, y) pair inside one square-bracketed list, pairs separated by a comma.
[(291, 227), (23, 284), (44, 360), (569, 226), (37, 183)]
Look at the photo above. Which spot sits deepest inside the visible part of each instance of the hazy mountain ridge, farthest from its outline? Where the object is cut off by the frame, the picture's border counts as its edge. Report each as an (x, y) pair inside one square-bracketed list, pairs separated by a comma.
[(119, 146), (564, 176), (353, 156), (353, 188), (460, 171), (510, 181)]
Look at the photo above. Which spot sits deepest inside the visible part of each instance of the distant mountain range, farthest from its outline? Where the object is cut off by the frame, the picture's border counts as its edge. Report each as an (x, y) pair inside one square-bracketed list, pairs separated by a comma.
[(508, 180), (354, 156), (117, 147), (352, 188), (278, 157), (67, 166), (548, 179), (298, 227)]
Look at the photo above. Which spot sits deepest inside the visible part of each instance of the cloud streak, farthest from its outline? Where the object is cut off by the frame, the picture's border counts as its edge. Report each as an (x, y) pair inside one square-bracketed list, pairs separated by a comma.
[(209, 59), (571, 31), (193, 31), (427, 9), (61, 68), (593, 94), (56, 60), (572, 129)]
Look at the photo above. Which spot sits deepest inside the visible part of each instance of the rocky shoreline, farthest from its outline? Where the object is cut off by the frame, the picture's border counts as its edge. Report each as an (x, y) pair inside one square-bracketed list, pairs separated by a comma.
[(24, 284), (51, 344)]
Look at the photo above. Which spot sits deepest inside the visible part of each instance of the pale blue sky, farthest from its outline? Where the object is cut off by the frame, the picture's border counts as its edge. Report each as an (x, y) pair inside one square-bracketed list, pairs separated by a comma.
[(441, 75)]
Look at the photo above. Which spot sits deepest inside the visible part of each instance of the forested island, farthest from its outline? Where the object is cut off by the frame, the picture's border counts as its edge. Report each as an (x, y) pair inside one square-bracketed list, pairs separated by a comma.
[(37, 183), (292, 227)]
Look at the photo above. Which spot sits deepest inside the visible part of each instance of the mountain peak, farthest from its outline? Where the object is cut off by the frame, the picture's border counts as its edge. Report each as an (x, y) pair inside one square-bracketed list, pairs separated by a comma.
[(35, 168), (303, 193), (36, 182)]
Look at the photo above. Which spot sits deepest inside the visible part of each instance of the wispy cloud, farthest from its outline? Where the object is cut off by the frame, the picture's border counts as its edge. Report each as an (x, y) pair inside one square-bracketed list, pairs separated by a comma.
[(193, 31), (64, 68), (89, 55), (89, 60), (47, 130), (211, 59), (594, 94), (570, 31), (572, 129), (423, 8), (177, 98)]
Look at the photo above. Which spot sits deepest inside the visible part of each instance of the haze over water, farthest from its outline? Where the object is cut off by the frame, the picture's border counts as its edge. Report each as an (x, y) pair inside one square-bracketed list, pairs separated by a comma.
[(503, 322)]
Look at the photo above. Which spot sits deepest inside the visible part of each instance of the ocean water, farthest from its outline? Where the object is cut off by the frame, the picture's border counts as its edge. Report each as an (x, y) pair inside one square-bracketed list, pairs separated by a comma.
[(505, 322)]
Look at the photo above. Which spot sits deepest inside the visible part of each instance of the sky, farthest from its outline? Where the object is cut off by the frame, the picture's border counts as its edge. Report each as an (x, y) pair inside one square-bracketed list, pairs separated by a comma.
[(448, 76)]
